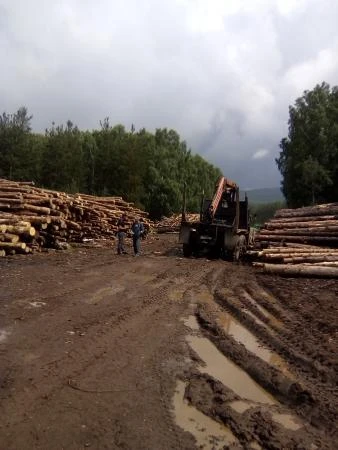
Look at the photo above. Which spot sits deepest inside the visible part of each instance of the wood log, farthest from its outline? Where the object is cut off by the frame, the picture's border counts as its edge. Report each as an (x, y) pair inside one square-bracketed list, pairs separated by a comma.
[(309, 259), (28, 230), (324, 224), (6, 195), (300, 238), (302, 250), (69, 217), (301, 232), (299, 270), (318, 210), (11, 201), (14, 221), (327, 264), (302, 219), (8, 237), (39, 209), (13, 246)]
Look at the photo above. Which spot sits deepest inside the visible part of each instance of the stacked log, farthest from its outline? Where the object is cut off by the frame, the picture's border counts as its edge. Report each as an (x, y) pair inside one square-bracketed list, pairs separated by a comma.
[(316, 225), (301, 241), (32, 218), (172, 224)]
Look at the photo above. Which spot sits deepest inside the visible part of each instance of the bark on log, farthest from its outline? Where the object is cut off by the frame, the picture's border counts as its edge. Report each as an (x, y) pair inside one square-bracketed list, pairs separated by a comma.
[(300, 270), (319, 210), (308, 259), (286, 237), (302, 219), (302, 250), (326, 224), (301, 232)]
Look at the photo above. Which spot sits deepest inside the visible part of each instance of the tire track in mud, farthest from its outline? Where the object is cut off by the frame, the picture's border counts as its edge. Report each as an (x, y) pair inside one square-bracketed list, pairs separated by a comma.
[(105, 329), (302, 414)]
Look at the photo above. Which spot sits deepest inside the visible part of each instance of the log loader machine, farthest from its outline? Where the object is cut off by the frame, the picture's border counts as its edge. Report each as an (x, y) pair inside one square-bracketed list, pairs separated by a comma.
[(223, 229)]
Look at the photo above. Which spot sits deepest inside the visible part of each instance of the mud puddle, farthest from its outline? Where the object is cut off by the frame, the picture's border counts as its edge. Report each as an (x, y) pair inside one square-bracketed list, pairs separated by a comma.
[(191, 322), (241, 406), (257, 320), (208, 433), (272, 319), (287, 421), (231, 375), (241, 334)]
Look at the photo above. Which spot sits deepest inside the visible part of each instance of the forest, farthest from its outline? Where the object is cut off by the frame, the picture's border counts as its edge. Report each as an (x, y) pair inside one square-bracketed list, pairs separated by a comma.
[(149, 169)]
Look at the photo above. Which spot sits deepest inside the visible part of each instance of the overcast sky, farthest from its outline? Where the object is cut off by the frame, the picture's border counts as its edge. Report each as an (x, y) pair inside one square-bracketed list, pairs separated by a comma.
[(220, 72)]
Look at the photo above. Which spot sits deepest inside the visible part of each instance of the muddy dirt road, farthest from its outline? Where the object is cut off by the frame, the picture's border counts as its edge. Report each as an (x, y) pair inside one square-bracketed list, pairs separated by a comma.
[(159, 352)]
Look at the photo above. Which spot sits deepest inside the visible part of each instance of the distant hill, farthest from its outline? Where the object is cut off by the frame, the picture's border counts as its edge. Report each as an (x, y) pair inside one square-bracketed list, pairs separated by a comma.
[(265, 195)]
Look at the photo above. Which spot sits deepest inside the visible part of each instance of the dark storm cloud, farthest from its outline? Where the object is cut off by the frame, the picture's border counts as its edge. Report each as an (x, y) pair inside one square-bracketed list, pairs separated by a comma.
[(221, 72)]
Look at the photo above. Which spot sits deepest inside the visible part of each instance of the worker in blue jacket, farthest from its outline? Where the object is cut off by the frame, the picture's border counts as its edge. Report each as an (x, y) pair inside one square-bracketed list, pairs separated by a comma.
[(137, 229)]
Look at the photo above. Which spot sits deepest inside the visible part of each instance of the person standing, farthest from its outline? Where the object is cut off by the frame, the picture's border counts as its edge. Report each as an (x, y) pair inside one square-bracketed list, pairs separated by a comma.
[(138, 230), (121, 234)]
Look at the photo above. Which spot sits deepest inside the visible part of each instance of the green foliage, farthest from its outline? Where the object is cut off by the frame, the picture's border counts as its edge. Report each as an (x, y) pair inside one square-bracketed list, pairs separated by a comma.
[(308, 159), (149, 169), (262, 212), (14, 143)]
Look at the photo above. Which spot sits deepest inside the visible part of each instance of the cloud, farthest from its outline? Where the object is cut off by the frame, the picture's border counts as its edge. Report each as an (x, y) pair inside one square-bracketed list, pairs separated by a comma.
[(260, 154), (222, 73)]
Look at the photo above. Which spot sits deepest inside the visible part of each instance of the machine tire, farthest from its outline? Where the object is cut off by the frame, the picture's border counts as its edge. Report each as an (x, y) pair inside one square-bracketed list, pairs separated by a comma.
[(239, 249), (187, 250)]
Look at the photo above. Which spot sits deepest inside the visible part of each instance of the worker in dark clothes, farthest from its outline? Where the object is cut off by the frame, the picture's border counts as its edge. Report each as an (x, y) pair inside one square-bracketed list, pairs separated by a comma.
[(137, 230), (122, 226)]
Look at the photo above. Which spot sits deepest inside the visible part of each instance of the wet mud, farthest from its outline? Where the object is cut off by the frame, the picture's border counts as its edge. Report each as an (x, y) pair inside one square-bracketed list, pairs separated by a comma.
[(162, 352), (270, 393)]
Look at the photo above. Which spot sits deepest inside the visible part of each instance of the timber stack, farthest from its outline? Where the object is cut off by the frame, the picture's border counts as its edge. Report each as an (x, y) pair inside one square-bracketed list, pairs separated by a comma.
[(32, 218), (301, 241), (172, 224)]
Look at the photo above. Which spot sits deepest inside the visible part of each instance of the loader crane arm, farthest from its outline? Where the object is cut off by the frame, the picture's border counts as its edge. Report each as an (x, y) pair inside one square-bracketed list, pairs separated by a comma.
[(223, 185)]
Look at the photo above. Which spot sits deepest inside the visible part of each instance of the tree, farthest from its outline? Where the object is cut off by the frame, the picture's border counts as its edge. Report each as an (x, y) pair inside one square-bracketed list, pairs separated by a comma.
[(62, 160), (308, 160), (149, 169), (14, 135)]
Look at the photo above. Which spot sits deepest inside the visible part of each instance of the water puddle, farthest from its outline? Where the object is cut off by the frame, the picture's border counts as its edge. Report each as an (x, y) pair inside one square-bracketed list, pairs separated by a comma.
[(241, 334), (258, 321), (208, 433), (231, 375), (191, 322), (241, 406), (287, 420), (272, 319), (3, 335)]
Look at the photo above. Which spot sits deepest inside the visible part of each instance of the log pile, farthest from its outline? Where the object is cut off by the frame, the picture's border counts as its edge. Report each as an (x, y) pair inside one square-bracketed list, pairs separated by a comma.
[(172, 224), (316, 225), (32, 218), (301, 241)]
